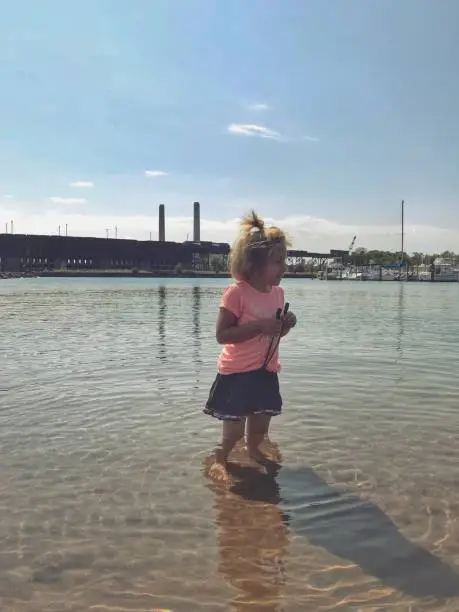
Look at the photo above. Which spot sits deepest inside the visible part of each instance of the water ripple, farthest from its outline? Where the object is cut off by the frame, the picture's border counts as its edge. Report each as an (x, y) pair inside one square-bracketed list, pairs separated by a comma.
[(103, 505)]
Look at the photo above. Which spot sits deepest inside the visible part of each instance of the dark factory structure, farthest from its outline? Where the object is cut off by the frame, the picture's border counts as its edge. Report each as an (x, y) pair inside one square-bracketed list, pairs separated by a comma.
[(28, 252), (161, 224), (196, 222)]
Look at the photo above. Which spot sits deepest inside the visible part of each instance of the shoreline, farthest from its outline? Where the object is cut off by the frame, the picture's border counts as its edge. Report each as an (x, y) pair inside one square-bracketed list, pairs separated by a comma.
[(170, 274), (123, 274)]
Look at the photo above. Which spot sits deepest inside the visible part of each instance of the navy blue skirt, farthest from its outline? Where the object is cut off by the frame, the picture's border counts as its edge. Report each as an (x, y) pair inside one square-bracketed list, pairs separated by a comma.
[(233, 397)]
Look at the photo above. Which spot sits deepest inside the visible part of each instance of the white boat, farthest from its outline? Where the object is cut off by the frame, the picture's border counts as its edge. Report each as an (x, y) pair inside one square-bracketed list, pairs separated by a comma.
[(332, 274), (388, 275), (375, 274), (349, 275), (445, 271), (333, 271)]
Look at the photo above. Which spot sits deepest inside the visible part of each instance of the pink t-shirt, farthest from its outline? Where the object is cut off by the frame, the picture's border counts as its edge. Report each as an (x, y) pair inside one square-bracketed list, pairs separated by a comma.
[(248, 304)]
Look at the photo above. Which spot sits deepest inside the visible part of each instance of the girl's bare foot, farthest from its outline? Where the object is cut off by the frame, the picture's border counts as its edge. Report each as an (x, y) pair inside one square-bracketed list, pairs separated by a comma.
[(257, 462), (263, 460), (219, 473), (257, 455), (271, 450)]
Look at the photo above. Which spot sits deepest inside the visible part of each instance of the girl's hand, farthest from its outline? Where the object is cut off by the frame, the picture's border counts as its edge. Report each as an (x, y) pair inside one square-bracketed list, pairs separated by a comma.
[(289, 320), (270, 327)]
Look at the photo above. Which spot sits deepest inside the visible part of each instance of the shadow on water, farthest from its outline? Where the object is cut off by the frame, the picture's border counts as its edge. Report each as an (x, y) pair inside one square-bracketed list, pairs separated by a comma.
[(358, 530), (259, 514)]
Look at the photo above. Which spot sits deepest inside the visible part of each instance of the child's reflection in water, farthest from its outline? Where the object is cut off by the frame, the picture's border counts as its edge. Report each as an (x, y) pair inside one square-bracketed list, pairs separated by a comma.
[(253, 537)]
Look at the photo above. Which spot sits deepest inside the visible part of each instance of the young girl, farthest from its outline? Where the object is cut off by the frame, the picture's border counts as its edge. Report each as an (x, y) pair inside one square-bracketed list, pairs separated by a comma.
[(245, 394)]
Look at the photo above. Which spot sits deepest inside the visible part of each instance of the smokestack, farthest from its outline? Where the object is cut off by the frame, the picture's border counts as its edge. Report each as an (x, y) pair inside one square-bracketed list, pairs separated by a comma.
[(196, 223), (162, 226)]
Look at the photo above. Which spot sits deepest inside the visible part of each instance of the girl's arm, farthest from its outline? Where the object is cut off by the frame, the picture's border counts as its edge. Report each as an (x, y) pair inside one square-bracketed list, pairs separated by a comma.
[(229, 332)]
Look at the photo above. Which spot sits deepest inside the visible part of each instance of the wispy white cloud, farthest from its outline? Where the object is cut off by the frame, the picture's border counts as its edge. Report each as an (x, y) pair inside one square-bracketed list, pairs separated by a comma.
[(81, 184), (67, 201), (252, 129), (155, 173), (307, 232), (7, 196), (261, 131), (259, 107)]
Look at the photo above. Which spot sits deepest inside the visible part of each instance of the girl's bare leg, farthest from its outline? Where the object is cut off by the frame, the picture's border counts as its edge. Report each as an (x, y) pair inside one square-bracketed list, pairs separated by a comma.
[(233, 431), (257, 431)]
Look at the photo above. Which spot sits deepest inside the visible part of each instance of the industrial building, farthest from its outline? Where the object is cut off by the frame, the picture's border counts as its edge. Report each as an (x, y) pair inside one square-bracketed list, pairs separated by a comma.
[(27, 252)]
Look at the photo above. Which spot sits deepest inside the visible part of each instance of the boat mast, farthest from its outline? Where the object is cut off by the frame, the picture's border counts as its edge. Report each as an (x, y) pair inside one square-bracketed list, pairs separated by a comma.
[(403, 236)]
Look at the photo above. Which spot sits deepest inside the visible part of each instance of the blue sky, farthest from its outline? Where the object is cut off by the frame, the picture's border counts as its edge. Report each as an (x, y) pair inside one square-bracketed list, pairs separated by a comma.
[(321, 114)]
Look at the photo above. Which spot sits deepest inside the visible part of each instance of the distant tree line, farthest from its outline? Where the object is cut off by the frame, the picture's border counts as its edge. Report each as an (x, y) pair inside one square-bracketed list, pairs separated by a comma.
[(363, 257)]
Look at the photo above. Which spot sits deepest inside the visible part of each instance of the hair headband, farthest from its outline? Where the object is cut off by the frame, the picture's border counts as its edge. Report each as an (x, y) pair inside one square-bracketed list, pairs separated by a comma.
[(264, 244)]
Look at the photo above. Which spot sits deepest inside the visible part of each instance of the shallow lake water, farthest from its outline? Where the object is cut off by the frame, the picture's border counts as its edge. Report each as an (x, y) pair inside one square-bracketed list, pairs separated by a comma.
[(103, 501)]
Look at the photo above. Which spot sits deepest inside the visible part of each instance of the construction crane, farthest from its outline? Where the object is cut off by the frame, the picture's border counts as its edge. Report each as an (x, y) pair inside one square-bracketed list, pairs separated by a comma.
[(351, 246)]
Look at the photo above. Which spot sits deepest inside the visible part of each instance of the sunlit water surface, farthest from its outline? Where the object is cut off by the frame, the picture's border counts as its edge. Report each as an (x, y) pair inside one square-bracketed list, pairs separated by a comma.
[(104, 505)]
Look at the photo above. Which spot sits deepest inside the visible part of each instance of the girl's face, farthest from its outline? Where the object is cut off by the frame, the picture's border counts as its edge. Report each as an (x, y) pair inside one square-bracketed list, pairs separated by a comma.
[(275, 268)]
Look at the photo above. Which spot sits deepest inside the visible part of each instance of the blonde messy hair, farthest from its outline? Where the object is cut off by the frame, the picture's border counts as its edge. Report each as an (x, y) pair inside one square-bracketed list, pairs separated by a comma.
[(253, 246)]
